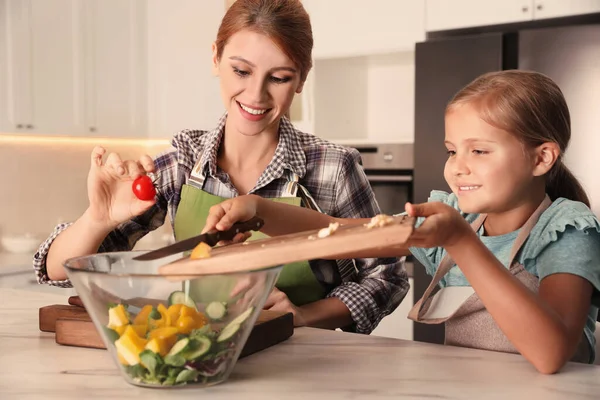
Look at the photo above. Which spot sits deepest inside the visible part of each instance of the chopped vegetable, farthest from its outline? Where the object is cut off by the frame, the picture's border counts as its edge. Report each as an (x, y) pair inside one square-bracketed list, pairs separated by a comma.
[(216, 310), (174, 345), (202, 250), (179, 297)]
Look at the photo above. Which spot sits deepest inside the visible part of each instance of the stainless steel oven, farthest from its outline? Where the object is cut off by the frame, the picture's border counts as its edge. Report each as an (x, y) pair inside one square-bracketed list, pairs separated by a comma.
[(389, 168)]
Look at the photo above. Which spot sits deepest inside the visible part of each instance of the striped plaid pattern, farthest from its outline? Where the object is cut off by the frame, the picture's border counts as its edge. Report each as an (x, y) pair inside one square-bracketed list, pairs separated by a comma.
[(331, 174)]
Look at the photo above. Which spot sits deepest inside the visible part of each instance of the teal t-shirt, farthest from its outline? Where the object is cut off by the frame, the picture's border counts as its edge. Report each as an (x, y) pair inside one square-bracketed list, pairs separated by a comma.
[(566, 239)]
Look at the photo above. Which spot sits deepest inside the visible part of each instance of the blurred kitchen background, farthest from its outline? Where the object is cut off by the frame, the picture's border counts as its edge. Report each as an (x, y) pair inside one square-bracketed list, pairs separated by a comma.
[(128, 74)]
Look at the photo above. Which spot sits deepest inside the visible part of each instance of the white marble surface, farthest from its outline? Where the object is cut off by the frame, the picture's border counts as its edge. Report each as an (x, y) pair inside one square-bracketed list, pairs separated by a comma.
[(313, 364), (15, 261)]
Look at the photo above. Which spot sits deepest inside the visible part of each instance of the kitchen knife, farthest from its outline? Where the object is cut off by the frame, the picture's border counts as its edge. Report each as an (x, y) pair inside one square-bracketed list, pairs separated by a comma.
[(210, 238)]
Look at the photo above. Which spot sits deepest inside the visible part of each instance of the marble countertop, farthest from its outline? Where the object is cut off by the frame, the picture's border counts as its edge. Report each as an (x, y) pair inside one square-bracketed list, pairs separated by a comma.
[(313, 363), (12, 261)]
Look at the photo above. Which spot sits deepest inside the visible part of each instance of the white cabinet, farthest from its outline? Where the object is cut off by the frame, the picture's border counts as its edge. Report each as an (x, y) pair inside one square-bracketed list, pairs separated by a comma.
[(182, 91), (457, 14), (115, 58), (71, 67), (42, 66), (350, 28), (561, 8), (370, 45), (347, 28)]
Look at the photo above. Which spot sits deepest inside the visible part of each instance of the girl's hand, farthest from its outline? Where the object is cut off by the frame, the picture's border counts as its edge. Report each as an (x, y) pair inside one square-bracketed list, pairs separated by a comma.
[(112, 200), (443, 225)]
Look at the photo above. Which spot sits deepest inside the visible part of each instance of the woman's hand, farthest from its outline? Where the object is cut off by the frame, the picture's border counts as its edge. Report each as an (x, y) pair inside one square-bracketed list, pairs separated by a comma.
[(223, 215), (443, 225), (278, 301), (112, 200)]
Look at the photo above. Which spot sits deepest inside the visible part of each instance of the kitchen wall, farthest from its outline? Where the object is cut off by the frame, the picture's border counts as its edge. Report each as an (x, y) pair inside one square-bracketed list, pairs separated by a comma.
[(44, 181), (369, 98), (571, 56)]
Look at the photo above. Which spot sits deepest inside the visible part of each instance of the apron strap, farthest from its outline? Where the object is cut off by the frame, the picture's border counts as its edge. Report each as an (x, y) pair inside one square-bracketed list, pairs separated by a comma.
[(291, 190), (197, 177), (417, 312)]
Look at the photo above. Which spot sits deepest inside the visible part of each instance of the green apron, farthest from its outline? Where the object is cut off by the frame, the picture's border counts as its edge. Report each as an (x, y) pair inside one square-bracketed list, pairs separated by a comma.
[(296, 280)]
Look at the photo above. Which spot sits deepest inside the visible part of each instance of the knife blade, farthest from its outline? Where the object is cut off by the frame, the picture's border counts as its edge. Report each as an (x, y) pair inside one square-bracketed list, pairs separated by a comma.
[(210, 238)]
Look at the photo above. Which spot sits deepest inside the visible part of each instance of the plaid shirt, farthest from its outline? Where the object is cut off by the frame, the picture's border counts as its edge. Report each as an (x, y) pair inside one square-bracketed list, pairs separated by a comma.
[(332, 174)]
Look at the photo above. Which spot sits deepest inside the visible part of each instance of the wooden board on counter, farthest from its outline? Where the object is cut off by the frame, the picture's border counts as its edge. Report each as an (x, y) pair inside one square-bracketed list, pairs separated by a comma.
[(74, 327)]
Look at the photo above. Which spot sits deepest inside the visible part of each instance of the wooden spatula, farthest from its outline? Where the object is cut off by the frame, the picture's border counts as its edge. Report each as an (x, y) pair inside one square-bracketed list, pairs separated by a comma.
[(348, 241)]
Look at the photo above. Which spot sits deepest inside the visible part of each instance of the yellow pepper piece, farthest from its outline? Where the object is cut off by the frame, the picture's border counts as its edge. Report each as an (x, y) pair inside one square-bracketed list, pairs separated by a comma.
[(158, 346), (164, 314), (173, 312), (168, 334), (163, 333), (142, 317), (202, 250), (130, 345), (198, 317), (154, 324), (140, 329), (120, 329), (186, 324), (117, 316)]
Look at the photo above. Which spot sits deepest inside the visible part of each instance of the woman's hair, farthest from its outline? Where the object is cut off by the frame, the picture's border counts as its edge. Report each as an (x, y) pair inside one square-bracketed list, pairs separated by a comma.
[(532, 107), (286, 22)]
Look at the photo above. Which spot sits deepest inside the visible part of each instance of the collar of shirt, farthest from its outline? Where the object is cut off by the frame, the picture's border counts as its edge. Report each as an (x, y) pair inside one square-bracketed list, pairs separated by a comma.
[(289, 154)]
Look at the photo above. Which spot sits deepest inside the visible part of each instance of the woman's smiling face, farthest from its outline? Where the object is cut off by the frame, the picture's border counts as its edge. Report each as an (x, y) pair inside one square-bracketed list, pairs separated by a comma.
[(258, 82)]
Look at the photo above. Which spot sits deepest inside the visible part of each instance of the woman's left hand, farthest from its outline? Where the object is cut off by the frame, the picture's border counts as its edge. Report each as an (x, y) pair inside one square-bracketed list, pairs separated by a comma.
[(278, 301), (443, 225)]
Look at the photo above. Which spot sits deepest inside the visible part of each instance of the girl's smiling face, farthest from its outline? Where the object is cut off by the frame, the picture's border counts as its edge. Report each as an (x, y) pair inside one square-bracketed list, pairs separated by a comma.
[(258, 82), (488, 168)]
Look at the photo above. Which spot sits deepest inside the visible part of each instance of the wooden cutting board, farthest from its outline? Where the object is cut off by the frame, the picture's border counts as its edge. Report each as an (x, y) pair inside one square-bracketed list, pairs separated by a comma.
[(73, 327), (348, 241)]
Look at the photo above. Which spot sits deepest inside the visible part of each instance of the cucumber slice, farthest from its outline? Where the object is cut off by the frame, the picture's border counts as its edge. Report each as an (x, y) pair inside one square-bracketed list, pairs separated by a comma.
[(199, 346), (240, 319), (228, 332), (179, 297), (179, 347), (216, 310)]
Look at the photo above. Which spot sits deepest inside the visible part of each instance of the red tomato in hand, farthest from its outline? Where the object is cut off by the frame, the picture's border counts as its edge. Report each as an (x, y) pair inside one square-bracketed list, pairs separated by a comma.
[(143, 188)]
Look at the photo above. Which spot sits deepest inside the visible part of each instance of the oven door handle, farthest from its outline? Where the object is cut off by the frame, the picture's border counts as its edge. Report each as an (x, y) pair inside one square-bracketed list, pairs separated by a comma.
[(389, 178)]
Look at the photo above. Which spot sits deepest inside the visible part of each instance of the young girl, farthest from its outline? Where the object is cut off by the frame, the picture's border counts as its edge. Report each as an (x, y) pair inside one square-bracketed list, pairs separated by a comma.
[(262, 56), (514, 249)]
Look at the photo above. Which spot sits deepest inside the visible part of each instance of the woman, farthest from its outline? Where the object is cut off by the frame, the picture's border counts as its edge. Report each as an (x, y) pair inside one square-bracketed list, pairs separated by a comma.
[(262, 56)]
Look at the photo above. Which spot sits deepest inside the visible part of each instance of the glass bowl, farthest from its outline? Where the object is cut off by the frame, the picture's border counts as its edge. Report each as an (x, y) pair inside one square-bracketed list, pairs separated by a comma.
[(169, 330)]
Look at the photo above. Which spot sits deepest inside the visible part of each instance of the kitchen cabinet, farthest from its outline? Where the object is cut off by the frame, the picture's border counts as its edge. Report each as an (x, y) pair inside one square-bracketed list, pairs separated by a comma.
[(115, 59), (346, 28), (182, 91), (71, 67), (560, 8), (42, 68), (458, 14)]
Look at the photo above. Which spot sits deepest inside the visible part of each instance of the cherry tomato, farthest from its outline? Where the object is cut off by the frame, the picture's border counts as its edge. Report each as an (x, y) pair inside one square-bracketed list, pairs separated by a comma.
[(143, 188)]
